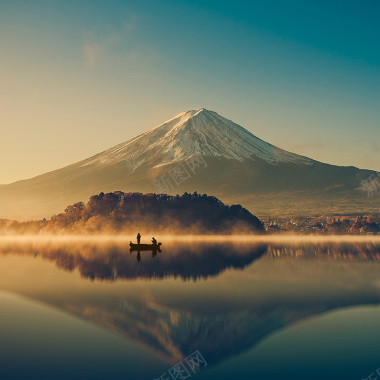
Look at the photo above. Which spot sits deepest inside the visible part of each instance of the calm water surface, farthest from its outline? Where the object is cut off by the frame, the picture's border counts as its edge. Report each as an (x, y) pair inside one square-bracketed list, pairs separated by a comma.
[(93, 310)]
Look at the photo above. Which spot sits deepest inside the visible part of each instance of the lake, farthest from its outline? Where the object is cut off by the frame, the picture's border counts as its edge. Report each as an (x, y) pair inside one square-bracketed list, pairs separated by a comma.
[(202, 308)]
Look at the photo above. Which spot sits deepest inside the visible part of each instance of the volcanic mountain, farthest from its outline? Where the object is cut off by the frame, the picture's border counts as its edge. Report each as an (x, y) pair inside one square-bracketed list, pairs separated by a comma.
[(201, 151)]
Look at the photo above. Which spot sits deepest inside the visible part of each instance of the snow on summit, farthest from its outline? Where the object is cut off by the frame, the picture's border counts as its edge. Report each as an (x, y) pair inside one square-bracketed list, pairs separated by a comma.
[(193, 132)]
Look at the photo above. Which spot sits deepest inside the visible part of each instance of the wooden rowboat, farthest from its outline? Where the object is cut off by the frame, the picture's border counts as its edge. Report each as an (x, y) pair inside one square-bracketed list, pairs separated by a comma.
[(144, 247)]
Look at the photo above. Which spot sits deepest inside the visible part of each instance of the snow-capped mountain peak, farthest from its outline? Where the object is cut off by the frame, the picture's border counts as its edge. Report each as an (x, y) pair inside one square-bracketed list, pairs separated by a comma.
[(193, 132), (238, 166)]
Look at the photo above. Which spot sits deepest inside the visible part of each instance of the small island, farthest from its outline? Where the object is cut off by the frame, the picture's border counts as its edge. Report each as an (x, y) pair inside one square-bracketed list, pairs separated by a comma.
[(126, 213)]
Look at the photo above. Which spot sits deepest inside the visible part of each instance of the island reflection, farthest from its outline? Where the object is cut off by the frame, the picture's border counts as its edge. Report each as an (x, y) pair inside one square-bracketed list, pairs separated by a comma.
[(113, 261), (187, 260)]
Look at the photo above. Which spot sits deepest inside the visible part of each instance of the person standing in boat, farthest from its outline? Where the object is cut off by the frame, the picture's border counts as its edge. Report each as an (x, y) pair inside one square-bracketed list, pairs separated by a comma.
[(154, 241), (138, 238)]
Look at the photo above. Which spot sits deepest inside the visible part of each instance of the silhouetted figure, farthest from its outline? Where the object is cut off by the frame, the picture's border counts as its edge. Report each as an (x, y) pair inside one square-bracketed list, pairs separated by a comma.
[(154, 241), (138, 238)]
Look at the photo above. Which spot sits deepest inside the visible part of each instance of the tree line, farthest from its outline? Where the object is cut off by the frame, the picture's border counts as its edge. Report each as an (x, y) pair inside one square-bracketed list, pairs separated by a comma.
[(119, 212)]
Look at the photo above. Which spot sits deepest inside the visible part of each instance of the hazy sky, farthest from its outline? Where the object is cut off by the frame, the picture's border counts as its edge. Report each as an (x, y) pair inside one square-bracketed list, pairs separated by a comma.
[(77, 77)]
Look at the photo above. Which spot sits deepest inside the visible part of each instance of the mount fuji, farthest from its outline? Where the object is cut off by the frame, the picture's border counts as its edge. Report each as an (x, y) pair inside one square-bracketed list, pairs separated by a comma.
[(201, 151)]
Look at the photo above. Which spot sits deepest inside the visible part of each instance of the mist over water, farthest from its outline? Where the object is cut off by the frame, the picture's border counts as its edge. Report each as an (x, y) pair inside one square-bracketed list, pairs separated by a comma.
[(236, 239)]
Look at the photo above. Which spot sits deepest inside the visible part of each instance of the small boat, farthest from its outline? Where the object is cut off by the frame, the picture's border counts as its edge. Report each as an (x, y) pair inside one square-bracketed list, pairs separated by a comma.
[(144, 247)]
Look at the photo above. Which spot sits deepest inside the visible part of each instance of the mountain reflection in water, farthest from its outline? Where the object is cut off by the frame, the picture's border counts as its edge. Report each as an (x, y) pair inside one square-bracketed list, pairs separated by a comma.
[(232, 311)]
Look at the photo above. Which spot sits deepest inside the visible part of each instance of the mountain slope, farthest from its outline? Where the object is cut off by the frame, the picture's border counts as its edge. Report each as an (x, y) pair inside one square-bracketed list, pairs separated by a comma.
[(193, 132), (200, 151)]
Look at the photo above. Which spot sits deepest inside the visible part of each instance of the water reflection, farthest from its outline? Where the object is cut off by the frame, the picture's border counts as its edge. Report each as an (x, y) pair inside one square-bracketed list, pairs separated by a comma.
[(232, 311), (112, 261), (331, 251)]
